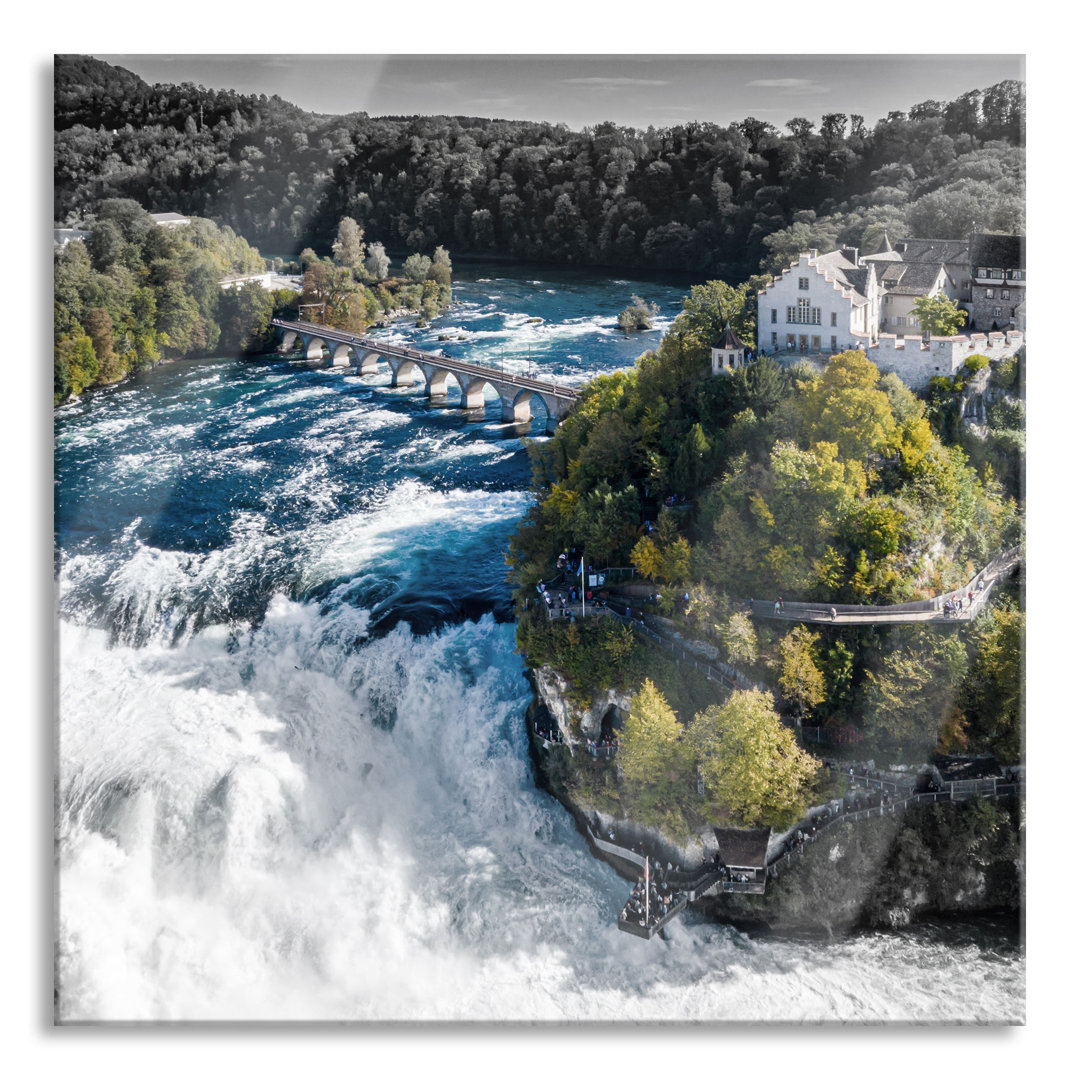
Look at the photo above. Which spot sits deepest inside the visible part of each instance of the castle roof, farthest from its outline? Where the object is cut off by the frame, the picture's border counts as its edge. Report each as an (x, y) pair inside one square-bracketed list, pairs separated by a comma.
[(915, 279), (728, 340), (991, 249), (931, 251)]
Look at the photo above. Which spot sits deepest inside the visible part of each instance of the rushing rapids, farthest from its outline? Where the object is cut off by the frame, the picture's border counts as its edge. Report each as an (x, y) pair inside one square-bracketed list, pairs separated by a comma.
[(294, 778)]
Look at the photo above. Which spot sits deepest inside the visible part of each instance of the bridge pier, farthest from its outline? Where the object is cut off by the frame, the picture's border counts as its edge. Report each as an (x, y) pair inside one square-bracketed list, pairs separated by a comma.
[(473, 395), (515, 412)]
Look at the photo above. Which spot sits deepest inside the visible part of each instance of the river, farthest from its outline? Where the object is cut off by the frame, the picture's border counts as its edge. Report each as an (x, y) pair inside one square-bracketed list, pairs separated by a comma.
[(293, 774)]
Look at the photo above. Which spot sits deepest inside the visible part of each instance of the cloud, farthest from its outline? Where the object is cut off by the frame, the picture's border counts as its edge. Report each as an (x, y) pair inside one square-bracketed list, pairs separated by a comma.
[(798, 86), (606, 82)]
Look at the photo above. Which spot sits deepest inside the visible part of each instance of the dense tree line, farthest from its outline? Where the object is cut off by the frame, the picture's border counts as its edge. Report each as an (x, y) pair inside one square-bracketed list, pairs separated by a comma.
[(728, 201), (134, 293)]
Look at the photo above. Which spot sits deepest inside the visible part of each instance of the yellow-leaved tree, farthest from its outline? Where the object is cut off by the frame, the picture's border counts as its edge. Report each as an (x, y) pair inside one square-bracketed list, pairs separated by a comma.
[(654, 760), (750, 762)]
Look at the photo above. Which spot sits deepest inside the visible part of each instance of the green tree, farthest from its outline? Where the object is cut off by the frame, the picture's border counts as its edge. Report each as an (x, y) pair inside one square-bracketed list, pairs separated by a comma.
[(910, 692), (938, 315), (245, 317), (991, 698), (714, 305), (801, 680), (647, 559), (848, 409), (348, 248), (75, 366), (653, 759), (739, 638), (416, 267), (689, 472), (99, 326), (377, 264), (750, 762)]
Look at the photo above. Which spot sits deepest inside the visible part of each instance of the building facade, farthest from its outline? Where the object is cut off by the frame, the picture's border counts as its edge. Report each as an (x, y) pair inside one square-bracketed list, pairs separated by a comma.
[(821, 304)]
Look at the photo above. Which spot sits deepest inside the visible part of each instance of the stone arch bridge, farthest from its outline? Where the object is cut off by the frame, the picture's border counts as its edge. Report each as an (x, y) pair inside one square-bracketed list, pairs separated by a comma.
[(409, 366)]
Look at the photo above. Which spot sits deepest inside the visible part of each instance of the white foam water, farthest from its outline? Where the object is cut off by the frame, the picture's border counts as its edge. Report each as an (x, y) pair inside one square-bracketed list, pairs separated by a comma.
[(277, 825)]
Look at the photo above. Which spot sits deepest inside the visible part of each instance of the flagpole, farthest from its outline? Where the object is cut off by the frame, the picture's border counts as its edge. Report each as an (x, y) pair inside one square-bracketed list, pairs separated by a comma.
[(583, 585), (646, 892)]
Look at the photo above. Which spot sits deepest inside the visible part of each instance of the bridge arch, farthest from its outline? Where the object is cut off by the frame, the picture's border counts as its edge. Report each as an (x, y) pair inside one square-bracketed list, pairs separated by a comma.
[(473, 397), (518, 405), (367, 361), (342, 354), (288, 340), (313, 346), (441, 382)]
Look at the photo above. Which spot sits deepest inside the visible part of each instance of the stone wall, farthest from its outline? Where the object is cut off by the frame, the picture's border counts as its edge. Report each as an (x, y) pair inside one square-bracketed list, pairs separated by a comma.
[(917, 363)]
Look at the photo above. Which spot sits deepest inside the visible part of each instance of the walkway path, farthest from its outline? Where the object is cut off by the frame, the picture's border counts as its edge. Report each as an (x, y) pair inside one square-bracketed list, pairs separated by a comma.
[(710, 880), (972, 597)]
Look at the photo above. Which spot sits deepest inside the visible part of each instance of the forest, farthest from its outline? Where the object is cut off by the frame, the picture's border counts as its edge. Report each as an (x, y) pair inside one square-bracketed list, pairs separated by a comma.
[(837, 484), (726, 201)]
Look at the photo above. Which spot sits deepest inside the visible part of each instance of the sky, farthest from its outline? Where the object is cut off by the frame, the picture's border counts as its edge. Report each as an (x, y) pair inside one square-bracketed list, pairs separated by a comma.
[(634, 90)]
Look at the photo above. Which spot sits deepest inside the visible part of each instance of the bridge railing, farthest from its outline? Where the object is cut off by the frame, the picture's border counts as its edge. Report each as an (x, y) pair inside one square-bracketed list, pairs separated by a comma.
[(408, 352), (784, 859)]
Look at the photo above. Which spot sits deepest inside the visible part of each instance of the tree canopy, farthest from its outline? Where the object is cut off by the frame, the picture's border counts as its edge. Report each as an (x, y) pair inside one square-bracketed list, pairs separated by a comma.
[(750, 762)]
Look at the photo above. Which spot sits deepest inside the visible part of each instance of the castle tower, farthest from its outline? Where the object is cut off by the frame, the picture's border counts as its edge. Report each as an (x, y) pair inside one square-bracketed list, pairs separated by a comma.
[(728, 353)]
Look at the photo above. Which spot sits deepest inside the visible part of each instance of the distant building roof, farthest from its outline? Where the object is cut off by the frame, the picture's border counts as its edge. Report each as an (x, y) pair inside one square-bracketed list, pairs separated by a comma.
[(743, 848), (939, 251), (998, 250), (170, 219)]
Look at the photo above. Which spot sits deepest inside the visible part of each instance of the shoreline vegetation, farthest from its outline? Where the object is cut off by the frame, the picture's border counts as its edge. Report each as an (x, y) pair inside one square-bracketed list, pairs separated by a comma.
[(135, 293)]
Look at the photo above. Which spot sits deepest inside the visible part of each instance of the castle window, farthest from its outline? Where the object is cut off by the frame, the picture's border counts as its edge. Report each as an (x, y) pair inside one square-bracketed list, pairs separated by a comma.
[(774, 314), (997, 313), (832, 343), (989, 294), (1004, 294), (832, 320), (804, 283)]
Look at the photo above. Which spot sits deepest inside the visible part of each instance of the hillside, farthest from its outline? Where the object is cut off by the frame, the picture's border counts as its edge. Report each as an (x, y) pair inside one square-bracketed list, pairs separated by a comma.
[(724, 201)]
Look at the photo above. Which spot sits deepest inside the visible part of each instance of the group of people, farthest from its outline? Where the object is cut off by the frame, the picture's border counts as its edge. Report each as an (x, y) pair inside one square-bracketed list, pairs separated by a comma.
[(559, 603), (661, 899), (953, 606), (602, 747), (551, 734)]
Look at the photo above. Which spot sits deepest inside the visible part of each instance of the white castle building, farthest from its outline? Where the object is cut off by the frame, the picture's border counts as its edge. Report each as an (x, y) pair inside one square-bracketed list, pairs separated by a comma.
[(826, 304)]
